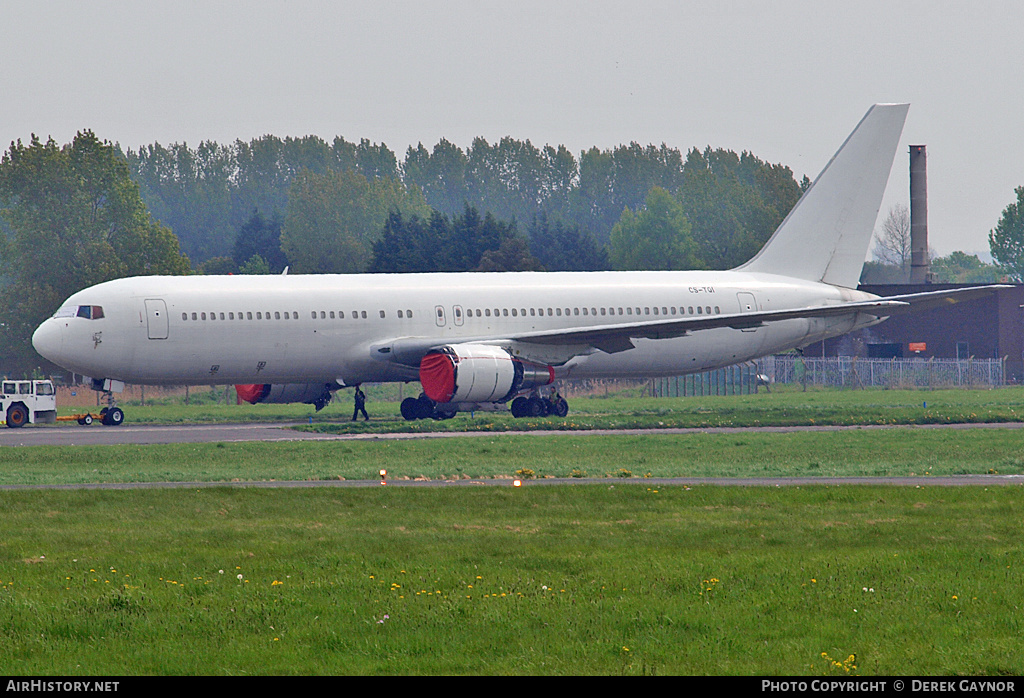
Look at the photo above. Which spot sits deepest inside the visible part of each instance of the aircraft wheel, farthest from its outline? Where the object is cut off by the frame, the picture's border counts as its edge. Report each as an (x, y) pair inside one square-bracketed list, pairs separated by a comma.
[(17, 416), (537, 408), (560, 408), (520, 407), (409, 407), (114, 417), (424, 407)]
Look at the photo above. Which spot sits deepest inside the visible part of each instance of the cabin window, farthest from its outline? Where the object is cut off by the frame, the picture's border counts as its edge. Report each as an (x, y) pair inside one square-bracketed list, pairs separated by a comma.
[(382, 313), (699, 310), (487, 312), (364, 314), (655, 310), (202, 315), (277, 315), (184, 316), (707, 310), (515, 313), (400, 315), (408, 313), (717, 311), (533, 312)]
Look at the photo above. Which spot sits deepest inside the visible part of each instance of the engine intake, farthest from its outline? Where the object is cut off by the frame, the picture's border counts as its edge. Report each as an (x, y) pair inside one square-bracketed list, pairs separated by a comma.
[(316, 394), (478, 373)]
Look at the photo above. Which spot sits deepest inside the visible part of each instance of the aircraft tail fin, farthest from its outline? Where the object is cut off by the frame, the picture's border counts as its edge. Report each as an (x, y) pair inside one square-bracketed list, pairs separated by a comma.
[(826, 235)]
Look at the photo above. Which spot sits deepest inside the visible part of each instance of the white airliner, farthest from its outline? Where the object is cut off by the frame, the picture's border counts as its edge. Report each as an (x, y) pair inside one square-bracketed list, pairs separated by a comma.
[(485, 340)]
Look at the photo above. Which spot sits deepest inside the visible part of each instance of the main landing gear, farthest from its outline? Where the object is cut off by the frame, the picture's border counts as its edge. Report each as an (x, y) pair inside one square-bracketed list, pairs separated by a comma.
[(535, 405), (423, 407), (553, 405)]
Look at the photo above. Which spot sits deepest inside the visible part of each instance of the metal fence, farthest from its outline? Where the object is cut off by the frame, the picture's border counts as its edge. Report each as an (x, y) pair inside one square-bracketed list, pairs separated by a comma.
[(853, 372), (732, 380)]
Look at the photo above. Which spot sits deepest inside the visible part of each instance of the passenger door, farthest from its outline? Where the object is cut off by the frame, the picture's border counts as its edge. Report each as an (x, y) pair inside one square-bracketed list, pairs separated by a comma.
[(156, 318)]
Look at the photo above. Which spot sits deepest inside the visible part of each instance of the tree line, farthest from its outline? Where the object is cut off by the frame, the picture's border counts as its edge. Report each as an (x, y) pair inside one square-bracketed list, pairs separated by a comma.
[(321, 207)]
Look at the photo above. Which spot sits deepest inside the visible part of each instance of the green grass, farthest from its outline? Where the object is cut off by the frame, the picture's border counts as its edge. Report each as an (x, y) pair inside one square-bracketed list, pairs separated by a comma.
[(603, 577), (783, 407), (856, 452), (589, 579)]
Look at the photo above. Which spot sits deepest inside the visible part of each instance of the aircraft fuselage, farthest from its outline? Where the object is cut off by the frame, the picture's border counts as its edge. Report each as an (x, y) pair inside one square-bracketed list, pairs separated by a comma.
[(337, 328)]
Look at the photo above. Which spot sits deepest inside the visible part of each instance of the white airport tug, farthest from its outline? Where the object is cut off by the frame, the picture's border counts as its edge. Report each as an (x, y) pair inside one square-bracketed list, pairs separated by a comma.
[(27, 402)]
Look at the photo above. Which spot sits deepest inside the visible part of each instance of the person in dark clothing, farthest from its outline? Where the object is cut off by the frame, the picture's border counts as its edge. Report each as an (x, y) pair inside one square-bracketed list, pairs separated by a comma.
[(360, 405)]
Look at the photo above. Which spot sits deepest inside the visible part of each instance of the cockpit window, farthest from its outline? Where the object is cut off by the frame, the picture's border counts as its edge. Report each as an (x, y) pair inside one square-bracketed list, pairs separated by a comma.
[(90, 312)]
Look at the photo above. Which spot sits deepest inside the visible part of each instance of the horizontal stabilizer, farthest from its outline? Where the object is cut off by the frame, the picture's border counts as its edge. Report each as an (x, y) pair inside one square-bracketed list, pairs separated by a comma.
[(941, 299)]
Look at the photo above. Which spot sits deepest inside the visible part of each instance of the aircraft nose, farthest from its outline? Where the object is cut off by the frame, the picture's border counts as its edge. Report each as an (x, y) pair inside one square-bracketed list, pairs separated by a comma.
[(48, 340)]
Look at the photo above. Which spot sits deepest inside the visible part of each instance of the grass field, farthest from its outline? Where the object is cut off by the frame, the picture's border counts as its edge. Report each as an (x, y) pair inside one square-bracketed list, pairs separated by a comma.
[(588, 579), (786, 405), (603, 577), (873, 452)]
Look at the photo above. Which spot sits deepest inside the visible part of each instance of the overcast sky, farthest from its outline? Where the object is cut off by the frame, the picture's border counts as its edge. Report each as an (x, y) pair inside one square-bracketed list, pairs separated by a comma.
[(786, 80)]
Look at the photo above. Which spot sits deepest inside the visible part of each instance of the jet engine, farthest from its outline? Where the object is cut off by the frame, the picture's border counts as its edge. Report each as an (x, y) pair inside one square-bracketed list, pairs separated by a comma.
[(478, 373), (316, 394)]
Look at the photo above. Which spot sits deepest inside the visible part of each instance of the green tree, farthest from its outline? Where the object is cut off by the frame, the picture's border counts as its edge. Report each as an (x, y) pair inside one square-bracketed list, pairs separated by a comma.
[(962, 268), (333, 219), (1006, 240), (656, 236), (261, 237), (735, 203), (73, 217), (563, 246), (190, 191), (255, 265), (513, 254), (415, 244)]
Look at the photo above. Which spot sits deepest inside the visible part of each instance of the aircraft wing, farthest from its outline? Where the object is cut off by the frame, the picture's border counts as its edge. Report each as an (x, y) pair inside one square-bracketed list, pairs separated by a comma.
[(618, 337)]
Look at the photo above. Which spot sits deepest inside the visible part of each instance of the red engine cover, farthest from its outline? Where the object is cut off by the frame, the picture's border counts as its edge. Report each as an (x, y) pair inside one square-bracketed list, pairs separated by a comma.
[(437, 375), (251, 393)]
